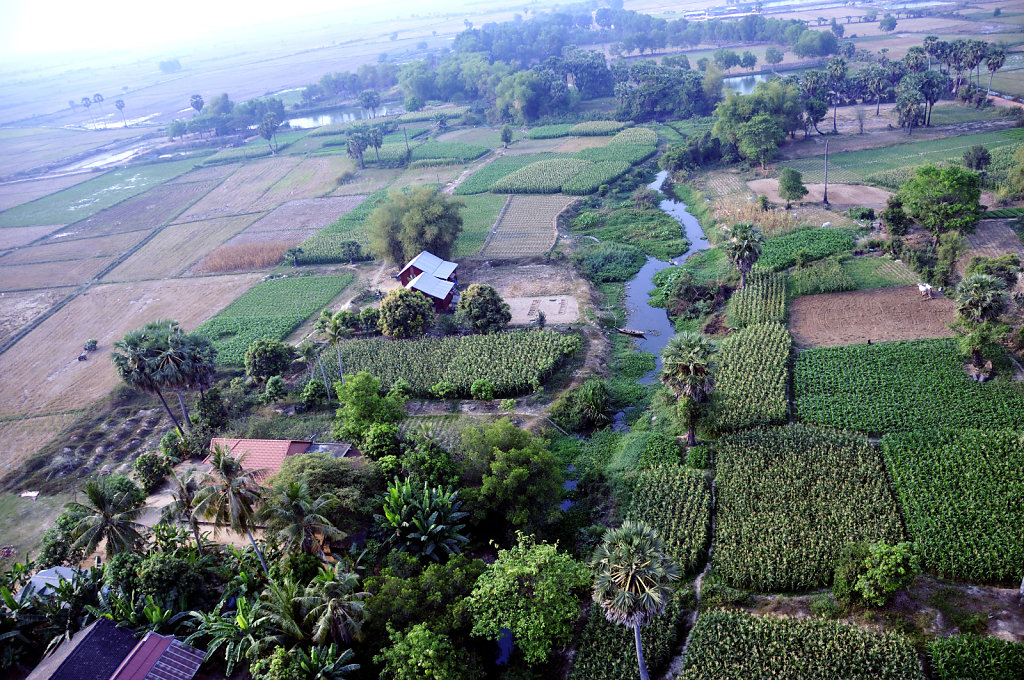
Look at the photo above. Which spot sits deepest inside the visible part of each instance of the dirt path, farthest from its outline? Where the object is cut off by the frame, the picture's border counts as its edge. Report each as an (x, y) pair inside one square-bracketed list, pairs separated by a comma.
[(490, 157)]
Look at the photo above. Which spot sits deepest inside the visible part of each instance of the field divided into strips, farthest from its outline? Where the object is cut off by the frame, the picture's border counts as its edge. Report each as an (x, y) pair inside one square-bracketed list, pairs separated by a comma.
[(676, 501), (49, 275), (327, 245), (237, 194), (478, 217), (869, 272), (215, 172), (295, 221), (961, 493), (16, 193), (14, 237), (762, 300), (527, 227), (311, 178), (900, 386), (739, 646), (481, 180), (74, 249), (271, 310), (790, 499), (854, 167), (42, 373), (752, 375), (176, 247)]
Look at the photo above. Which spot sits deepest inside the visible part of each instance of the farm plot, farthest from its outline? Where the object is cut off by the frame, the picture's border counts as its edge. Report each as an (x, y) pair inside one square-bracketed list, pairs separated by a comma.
[(16, 193), (960, 491), (839, 194), (676, 501), (739, 646), (295, 221), (481, 180), (790, 499), (557, 309), (368, 181), (527, 227), (894, 313), (991, 239), (271, 310), (870, 272), (50, 275), (899, 386), (42, 373), (311, 178), (542, 177), (74, 249), (718, 184), (88, 198), (236, 194), (176, 247), (753, 371), (17, 309), (25, 436), (575, 144), (332, 243), (148, 211), (13, 237), (207, 174), (781, 252), (762, 300), (478, 216)]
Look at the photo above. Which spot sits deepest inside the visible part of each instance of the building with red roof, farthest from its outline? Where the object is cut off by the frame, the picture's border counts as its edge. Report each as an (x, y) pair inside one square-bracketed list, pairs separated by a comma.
[(264, 457)]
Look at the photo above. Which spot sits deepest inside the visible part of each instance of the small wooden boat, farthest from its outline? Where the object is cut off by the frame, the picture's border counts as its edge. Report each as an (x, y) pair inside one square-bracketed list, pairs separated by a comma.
[(630, 331)]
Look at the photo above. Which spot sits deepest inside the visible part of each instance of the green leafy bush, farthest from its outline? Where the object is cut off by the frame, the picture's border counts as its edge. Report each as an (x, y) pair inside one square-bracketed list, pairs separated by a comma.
[(780, 252), (608, 261), (825, 276), (582, 407)]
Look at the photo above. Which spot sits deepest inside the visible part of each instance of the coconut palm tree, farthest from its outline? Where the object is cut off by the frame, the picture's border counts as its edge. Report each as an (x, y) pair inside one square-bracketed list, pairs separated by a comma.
[(300, 521), (743, 247), (633, 579), (229, 497), (119, 104), (109, 515), (184, 491), (135, 366), (335, 608), (282, 616), (687, 370)]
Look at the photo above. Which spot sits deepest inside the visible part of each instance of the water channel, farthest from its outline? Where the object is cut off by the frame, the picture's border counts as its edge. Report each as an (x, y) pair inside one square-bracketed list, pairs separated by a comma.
[(653, 321)]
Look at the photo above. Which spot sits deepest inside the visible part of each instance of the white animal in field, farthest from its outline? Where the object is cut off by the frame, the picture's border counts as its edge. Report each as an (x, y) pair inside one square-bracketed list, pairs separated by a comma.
[(926, 290), (827, 224)]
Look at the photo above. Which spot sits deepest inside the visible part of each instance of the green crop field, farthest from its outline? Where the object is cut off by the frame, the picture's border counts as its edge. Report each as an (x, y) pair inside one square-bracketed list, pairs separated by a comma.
[(790, 499), (549, 131), (88, 198), (781, 252), (762, 300), (738, 646), (869, 272), (272, 310), (676, 501), (455, 151), (752, 373), (328, 245), (896, 386), (481, 180), (478, 218), (962, 657), (961, 493)]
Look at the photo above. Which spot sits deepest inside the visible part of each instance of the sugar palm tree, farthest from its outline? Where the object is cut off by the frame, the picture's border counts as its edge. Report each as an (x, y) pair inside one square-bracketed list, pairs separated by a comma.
[(135, 366), (980, 298), (743, 247), (174, 366), (335, 608), (994, 60), (633, 579), (87, 103), (184, 492), (119, 104), (687, 370), (334, 332), (107, 515), (300, 521), (229, 497)]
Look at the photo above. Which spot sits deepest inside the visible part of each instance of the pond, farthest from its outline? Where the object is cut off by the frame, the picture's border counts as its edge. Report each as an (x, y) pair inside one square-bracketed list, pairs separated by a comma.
[(653, 321), (744, 84), (342, 114)]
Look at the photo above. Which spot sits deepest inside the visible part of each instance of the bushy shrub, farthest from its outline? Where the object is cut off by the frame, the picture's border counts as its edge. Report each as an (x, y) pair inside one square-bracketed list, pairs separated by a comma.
[(482, 389), (380, 440), (871, 574), (266, 358), (582, 407), (606, 262), (276, 390), (699, 457), (151, 468), (314, 394)]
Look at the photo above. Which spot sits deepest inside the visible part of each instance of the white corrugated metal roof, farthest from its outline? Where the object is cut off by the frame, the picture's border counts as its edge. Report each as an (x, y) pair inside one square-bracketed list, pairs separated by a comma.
[(432, 286), (428, 263)]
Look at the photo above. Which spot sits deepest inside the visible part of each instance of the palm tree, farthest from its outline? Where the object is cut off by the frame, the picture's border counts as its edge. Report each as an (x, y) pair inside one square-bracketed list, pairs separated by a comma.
[(87, 103), (134, 364), (235, 631), (334, 608), (743, 247), (108, 515), (334, 332), (229, 497), (326, 663), (197, 103), (687, 370), (173, 366), (980, 298), (310, 353), (119, 104), (98, 99), (929, 43), (301, 521), (836, 72), (282, 616), (994, 61), (184, 491), (633, 579)]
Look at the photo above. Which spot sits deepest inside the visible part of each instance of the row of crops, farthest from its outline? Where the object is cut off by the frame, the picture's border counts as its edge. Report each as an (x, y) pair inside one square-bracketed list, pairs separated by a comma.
[(899, 386), (271, 310), (333, 243), (737, 646), (962, 493), (824, 276), (676, 501), (790, 499), (762, 300), (515, 362), (782, 252), (591, 128), (753, 369), (969, 656)]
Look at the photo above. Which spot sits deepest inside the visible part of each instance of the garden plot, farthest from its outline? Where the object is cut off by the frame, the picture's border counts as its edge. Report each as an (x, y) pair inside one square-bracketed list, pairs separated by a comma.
[(368, 181), (575, 144), (717, 184), (42, 373), (50, 275), (16, 193), (17, 309), (557, 309), (24, 437), (177, 247), (12, 237), (839, 194), (74, 249), (898, 313), (992, 238), (212, 172), (242, 189), (148, 211), (311, 178), (527, 227), (295, 221)]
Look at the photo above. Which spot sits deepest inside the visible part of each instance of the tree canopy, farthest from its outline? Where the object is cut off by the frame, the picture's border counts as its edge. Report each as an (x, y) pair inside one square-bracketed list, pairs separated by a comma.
[(411, 221), (482, 310), (944, 199)]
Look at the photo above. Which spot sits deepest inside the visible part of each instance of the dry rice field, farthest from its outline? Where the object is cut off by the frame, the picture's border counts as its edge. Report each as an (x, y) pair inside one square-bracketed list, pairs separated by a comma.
[(48, 275), (367, 181), (239, 192), (527, 227), (74, 249), (12, 237), (42, 373), (574, 144), (17, 309), (311, 178), (24, 437), (297, 220), (877, 315), (206, 174), (16, 193)]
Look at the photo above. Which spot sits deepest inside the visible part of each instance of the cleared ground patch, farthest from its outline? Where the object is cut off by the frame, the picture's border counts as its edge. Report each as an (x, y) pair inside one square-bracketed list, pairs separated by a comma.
[(23, 437), (76, 249), (311, 178), (575, 144), (16, 193), (557, 309), (296, 221), (177, 247), (992, 238), (42, 373), (50, 274), (12, 237), (241, 190), (838, 194), (898, 313), (527, 227), (17, 309)]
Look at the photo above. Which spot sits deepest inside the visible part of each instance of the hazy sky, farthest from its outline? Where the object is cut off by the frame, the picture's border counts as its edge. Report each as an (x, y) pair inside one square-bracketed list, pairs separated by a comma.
[(51, 26)]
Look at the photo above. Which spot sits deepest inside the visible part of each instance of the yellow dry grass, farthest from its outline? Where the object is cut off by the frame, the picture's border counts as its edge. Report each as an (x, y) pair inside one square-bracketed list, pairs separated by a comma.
[(24, 437), (244, 257)]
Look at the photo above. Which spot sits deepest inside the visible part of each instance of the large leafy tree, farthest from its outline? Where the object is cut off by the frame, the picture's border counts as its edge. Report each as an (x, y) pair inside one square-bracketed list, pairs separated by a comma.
[(229, 497), (299, 520), (533, 590), (944, 199), (743, 247), (791, 185), (362, 406), (405, 313), (482, 310), (688, 370), (633, 579), (267, 129), (758, 139), (108, 513), (420, 218)]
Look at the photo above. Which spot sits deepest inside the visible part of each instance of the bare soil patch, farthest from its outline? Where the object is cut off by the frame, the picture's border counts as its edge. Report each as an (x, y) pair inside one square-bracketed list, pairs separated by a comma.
[(22, 438), (295, 221), (17, 309), (367, 181), (149, 210), (13, 237), (992, 238), (839, 195), (76, 249), (557, 309), (574, 144), (51, 274), (42, 373), (210, 172), (531, 286), (527, 227), (870, 315), (241, 190), (311, 178), (16, 193)]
